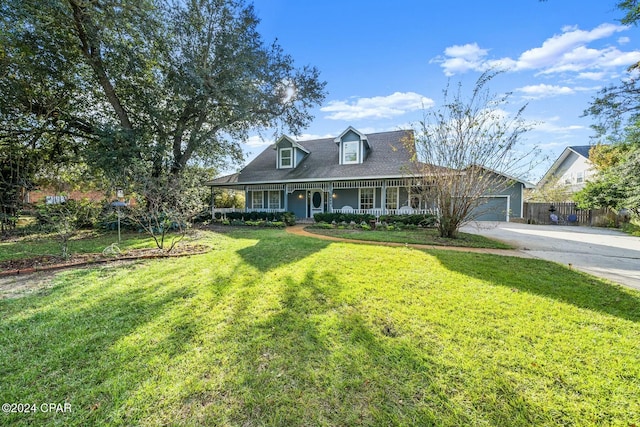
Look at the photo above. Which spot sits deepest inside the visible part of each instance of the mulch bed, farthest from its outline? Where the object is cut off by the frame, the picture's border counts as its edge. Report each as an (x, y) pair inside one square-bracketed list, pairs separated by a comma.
[(51, 262)]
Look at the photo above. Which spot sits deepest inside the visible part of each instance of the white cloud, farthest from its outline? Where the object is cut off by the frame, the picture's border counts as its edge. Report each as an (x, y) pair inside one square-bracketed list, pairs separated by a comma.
[(462, 58), (548, 126), (557, 47), (624, 40), (389, 106), (311, 136), (258, 141), (565, 52), (595, 75), (546, 91)]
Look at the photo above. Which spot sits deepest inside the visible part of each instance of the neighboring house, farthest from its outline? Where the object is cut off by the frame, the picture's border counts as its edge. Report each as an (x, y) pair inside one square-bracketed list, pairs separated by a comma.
[(353, 172), (571, 170), (52, 196)]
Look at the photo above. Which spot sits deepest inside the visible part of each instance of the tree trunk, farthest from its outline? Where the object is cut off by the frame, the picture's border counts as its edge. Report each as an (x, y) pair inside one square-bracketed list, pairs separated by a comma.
[(448, 228)]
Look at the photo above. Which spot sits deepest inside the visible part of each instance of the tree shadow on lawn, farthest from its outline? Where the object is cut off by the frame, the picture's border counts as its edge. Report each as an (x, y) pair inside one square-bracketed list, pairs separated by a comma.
[(153, 351), (318, 361), (546, 279), (271, 252), (67, 351)]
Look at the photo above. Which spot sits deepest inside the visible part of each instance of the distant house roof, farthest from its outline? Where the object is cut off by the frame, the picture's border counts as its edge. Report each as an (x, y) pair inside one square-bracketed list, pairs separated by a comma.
[(390, 153), (583, 150)]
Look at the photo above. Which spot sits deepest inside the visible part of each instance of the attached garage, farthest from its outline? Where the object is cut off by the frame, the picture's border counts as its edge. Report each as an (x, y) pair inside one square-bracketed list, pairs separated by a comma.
[(493, 208)]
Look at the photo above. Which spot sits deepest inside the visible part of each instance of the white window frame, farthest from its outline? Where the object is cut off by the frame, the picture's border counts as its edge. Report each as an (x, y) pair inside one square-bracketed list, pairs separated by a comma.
[(269, 204), (344, 153), (280, 158), (373, 198), (253, 199), (397, 197)]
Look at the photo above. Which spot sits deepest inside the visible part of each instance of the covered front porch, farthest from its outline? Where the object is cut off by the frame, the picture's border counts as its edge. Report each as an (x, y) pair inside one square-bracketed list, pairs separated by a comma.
[(374, 197)]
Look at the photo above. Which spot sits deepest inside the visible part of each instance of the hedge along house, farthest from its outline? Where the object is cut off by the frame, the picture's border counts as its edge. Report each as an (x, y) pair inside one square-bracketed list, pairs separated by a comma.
[(352, 173)]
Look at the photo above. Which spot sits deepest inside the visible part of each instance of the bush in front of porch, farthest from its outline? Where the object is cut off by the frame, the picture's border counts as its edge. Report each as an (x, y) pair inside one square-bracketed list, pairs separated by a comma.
[(421, 220), (288, 218), (343, 217)]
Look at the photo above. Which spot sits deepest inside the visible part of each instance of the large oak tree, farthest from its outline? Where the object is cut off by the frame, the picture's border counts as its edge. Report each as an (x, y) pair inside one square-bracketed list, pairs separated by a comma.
[(144, 88)]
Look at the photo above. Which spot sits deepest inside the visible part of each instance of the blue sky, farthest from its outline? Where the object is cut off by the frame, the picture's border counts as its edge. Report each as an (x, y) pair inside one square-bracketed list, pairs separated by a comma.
[(384, 60)]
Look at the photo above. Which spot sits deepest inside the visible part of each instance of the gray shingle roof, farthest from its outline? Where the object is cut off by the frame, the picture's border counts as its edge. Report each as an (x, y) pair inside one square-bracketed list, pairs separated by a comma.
[(583, 150), (388, 157), (227, 179)]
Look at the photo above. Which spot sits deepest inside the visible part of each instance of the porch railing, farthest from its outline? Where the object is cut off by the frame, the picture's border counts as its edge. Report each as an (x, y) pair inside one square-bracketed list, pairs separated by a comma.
[(375, 212), (379, 212), (225, 211)]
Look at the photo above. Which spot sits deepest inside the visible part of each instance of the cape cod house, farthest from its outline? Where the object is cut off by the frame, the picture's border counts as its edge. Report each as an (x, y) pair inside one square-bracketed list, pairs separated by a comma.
[(354, 172)]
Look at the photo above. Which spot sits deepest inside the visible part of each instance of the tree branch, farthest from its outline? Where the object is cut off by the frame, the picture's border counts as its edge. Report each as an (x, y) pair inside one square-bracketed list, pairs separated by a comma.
[(91, 50)]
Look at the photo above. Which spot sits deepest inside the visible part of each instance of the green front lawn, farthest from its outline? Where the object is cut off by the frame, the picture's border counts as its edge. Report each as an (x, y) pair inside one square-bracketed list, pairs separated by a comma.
[(427, 236), (85, 242), (280, 330)]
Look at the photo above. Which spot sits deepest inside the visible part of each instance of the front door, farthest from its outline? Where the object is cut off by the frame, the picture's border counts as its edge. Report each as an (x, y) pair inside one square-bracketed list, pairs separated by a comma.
[(316, 202)]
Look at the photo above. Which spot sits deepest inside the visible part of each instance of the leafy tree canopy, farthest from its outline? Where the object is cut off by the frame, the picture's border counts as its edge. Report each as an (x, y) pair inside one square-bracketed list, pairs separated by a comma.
[(617, 112), (144, 87)]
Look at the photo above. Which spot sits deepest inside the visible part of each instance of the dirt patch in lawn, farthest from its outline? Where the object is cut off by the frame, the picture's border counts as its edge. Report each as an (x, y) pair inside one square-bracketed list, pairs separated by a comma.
[(26, 276), (21, 285), (50, 262)]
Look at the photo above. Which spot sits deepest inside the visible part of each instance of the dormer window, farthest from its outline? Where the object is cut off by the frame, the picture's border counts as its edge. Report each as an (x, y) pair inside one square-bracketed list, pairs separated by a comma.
[(286, 158), (353, 145), (350, 151)]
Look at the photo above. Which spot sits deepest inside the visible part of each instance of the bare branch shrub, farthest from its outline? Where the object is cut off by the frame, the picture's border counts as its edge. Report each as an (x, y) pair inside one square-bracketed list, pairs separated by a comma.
[(466, 150)]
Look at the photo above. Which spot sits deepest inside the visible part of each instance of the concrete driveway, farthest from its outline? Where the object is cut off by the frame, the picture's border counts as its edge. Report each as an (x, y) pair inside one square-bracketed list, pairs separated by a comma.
[(605, 253)]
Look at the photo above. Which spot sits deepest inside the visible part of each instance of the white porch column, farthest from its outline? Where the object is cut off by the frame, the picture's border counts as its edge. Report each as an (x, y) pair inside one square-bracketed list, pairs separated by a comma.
[(383, 198), (213, 203), (286, 198), (330, 202)]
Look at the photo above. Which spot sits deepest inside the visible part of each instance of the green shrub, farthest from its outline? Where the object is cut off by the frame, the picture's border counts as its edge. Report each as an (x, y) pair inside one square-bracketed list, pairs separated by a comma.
[(85, 213), (201, 217), (109, 221), (342, 217), (323, 225), (422, 220), (288, 218), (276, 224)]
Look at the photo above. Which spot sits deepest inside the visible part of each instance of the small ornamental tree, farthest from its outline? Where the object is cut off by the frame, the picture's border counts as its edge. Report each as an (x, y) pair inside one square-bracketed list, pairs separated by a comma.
[(466, 149), (65, 219), (163, 210)]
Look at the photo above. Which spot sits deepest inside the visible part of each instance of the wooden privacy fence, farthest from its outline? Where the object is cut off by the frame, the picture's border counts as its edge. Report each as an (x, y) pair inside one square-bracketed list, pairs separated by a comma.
[(539, 213)]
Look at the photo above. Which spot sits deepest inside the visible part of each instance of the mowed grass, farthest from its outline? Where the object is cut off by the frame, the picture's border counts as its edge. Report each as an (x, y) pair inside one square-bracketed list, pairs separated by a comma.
[(84, 242), (272, 329), (428, 236)]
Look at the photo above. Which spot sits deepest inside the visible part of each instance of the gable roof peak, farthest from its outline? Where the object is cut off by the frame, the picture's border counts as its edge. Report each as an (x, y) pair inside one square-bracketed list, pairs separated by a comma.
[(292, 141), (362, 136), (582, 150)]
